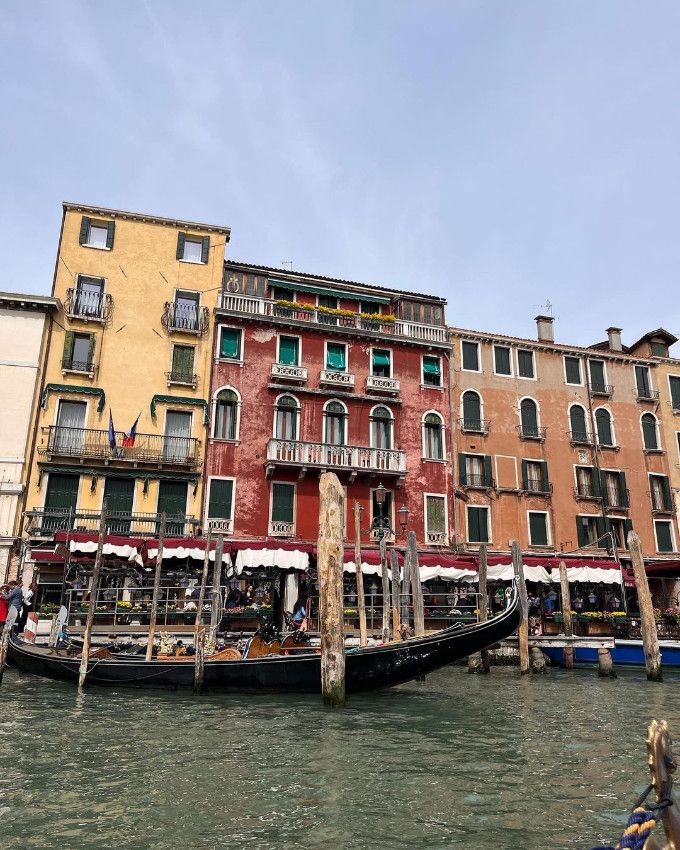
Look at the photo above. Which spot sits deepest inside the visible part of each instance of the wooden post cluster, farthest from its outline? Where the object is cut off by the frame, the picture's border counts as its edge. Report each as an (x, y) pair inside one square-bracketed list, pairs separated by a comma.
[(406, 590), (330, 567), (650, 638), (416, 587), (385, 592), (479, 662), (156, 589), (198, 622), (361, 599), (523, 631), (215, 612), (394, 561), (566, 616), (92, 604), (199, 660)]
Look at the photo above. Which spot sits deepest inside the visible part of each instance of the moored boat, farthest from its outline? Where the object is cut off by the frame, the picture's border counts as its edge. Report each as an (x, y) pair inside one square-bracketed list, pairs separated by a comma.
[(625, 653)]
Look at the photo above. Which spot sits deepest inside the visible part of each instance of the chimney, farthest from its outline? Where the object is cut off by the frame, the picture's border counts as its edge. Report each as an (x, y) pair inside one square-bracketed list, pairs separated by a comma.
[(544, 326), (614, 335)]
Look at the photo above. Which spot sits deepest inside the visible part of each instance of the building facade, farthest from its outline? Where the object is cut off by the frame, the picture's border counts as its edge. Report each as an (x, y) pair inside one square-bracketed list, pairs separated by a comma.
[(24, 323), (313, 374)]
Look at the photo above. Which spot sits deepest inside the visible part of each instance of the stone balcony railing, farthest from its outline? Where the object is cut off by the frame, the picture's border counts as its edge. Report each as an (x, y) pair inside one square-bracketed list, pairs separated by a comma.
[(295, 453), (436, 538), (376, 383), (330, 377), (285, 372), (281, 529), (220, 526)]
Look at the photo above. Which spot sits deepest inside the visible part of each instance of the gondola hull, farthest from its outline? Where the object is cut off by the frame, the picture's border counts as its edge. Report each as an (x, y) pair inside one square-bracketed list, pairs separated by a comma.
[(368, 668)]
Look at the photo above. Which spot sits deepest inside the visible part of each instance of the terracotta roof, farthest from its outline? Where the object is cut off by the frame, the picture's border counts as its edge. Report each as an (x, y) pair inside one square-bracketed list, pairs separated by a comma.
[(667, 336), (154, 219), (288, 274)]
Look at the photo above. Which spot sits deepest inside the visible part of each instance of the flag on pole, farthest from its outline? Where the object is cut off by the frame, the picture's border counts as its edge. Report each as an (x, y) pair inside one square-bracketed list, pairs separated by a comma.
[(112, 433), (129, 438)]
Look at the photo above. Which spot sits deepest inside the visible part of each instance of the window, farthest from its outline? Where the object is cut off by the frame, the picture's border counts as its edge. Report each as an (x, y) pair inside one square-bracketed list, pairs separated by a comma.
[(289, 351), (177, 436), (529, 418), (182, 364), (642, 382), (660, 492), (674, 384), (659, 349), (61, 497), (69, 435), (78, 352), (381, 363), (619, 529), (89, 300), (283, 293), (478, 524), (286, 418), (221, 499), (185, 310), (381, 428), (472, 412), (387, 508), (535, 476), (432, 371), (172, 500), (664, 535), (587, 484), (336, 357), (475, 470), (577, 424), (433, 437), (572, 370), (538, 529), (525, 363), (193, 249), (226, 415), (603, 423), (335, 427), (502, 364), (650, 434), (589, 530), (96, 234), (435, 519), (614, 490), (328, 302), (230, 343), (598, 380), (283, 507), (369, 309), (470, 356)]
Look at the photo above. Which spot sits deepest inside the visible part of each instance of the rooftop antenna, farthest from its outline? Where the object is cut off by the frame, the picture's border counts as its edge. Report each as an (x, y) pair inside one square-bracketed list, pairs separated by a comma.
[(287, 263), (547, 307)]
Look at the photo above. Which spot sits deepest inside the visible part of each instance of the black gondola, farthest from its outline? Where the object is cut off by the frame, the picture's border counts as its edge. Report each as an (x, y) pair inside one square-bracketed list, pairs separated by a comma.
[(367, 668)]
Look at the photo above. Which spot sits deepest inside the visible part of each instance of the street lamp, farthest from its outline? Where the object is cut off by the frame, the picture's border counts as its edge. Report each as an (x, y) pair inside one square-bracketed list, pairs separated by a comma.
[(381, 525)]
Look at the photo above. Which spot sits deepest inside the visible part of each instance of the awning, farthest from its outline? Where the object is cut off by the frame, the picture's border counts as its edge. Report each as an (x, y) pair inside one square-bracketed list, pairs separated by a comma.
[(297, 286), (370, 562), (285, 556), (185, 547), (129, 548)]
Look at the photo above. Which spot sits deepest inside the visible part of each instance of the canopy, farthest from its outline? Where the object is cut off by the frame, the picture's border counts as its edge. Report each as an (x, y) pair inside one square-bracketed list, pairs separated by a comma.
[(185, 547), (129, 548), (285, 556)]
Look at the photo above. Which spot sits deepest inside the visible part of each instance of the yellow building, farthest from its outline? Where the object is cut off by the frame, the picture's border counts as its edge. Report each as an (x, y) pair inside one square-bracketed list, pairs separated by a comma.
[(131, 344)]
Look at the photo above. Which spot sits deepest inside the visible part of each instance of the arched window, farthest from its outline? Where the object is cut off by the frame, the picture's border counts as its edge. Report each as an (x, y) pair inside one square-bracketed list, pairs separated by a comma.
[(381, 428), (577, 424), (335, 424), (433, 437), (650, 434), (605, 433), (472, 411), (226, 415), (529, 417), (286, 421)]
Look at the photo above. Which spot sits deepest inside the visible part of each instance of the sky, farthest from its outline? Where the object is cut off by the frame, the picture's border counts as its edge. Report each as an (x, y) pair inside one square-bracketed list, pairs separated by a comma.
[(505, 155)]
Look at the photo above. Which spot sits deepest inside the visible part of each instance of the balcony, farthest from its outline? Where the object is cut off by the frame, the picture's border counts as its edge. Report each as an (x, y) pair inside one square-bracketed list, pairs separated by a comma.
[(601, 390), (617, 501), (378, 384), (536, 487), (474, 426), (436, 538), (45, 522), (285, 372), (375, 536), (245, 305), (182, 317), (281, 529), (659, 508), (323, 456), (220, 526), (478, 482), (587, 493), (68, 364), (90, 444), (183, 379), (643, 394), (581, 438), (531, 432), (87, 305), (333, 378)]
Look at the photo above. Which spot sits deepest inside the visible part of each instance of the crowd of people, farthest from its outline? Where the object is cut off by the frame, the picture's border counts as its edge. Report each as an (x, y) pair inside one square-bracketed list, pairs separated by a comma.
[(13, 596)]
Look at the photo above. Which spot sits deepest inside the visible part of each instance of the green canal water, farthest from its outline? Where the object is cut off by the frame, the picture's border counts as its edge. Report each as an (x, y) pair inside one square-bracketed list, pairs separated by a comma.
[(455, 761)]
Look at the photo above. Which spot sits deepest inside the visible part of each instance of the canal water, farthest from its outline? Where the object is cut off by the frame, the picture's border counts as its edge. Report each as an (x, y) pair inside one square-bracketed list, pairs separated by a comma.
[(456, 761)]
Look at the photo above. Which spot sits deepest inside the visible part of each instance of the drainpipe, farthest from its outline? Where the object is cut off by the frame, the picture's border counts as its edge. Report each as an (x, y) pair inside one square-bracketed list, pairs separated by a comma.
[(452, 449)]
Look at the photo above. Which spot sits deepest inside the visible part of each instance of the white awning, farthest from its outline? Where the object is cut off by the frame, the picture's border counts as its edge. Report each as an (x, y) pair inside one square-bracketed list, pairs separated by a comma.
[(592, 575), (131, 553), (284, 559)]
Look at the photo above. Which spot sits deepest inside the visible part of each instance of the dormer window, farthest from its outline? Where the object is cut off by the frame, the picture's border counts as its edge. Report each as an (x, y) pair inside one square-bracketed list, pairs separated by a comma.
[(659, 349)]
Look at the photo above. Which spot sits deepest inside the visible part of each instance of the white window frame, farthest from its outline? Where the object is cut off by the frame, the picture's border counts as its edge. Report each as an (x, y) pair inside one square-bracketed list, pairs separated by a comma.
[(481, 403), (546, 514), (233, 499), (45, 482), (278, 347), (651, 475), (533, 363), (328, 342), (596, 435), (446, 512), (497, 476), (580, 369), (218, 340), (489, 527), (675, 410), (605, 371), (576, 467), (102, 225), (478, 370), (237, 438), (673, 540), (59, 399), (134, 495), (598, 543), (512, 360), (634, 366), (188, 237), (324, 416), (370, 425), (659, 447), (422, 435), (292, 484), (370, 362), (677, 444), (299, 416), (425, 386), (587, 419), (538, 411), (158, 493)]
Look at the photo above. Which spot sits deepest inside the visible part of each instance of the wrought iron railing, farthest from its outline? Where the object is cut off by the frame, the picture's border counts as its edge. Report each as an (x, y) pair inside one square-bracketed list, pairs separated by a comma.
[(531, 432), (618, 500), (643, 394), (586, 492), (45, 522), (298, 453), (88, 305), (186, 378), (68, 364), (604, 390), (580, 438), (535, 485), (474, 426), (479, 481), (181, 317)]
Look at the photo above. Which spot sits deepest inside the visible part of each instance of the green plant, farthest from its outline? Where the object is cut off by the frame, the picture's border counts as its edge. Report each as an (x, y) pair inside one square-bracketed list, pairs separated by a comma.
[(335, 311), (294, 305), (385, 318)]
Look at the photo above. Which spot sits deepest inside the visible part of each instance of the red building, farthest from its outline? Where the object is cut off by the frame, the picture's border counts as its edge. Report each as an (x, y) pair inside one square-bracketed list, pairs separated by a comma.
[(312, 374)]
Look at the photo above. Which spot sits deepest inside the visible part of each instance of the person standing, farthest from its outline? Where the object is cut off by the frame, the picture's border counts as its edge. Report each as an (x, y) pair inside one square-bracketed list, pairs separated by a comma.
[(27, 605), (13, 596), (3, 607)]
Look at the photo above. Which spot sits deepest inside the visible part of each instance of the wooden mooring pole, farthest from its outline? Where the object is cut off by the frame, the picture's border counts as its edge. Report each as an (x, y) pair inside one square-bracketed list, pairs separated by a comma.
[(650, 638), (199, 660), (215, 612), (394, 562), (12, 616), (385, 592), (566, 616), (361, 599), (523, 631), (198, 623), (156, 589), (479, 662), (92, 604), (406, 591), (329, 569), (416, 586)]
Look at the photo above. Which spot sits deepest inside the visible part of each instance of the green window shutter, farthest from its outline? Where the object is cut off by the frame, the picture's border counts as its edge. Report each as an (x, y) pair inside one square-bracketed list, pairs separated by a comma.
[(538, 529), (502, 360), (487, 471), (627, 526), (608, 541), (436, 520), (230, 343), (219, 504), (525, 362), (68, 347), (288, 350), (471, 356), (475, 529), (381, 358), (572, 368), (462, 469), (283, 496), (664, 538), (205, 249), (335, 357), (183, 359), (525, 473), (545, 481), (581, 532), (597, 484), (624, 490), (675, 391), (84, 230), (90, 351), (181, 239), (667, 498), (601, 530), (602, 478), (110, 233), (596, 375)]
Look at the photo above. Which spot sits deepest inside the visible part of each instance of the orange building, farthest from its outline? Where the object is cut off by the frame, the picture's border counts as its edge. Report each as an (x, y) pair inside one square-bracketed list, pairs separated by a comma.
[(559, 446)]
